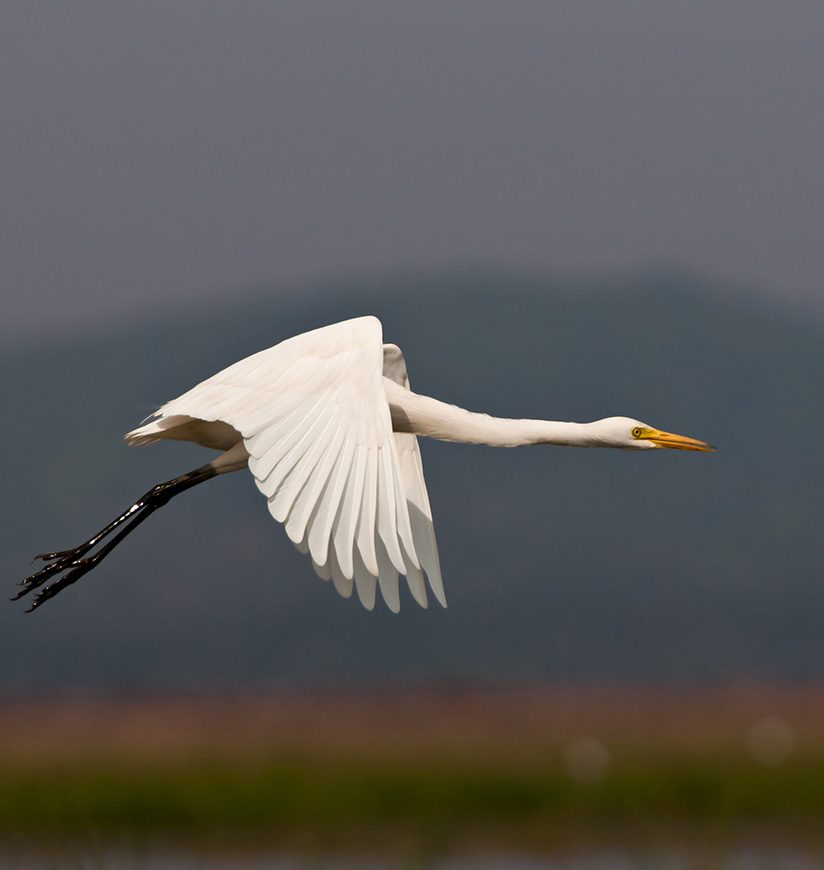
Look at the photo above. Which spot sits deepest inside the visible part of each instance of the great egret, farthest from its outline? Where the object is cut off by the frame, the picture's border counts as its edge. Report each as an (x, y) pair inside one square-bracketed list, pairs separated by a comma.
[(326, 423)]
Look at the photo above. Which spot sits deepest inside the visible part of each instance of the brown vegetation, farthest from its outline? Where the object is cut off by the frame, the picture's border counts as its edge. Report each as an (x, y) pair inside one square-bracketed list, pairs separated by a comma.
[(461, 723)]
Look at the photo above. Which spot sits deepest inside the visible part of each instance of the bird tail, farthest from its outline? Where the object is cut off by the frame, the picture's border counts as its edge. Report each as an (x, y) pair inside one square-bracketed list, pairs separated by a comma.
[(152, 429)]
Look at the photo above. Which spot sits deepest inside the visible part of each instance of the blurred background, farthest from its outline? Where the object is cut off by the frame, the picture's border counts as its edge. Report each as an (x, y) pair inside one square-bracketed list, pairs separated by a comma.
[(564, 209)]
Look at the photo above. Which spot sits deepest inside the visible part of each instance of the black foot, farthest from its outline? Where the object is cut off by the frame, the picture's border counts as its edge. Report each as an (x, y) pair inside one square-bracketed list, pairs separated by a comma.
[(75, 563), (59, 554), (62, 561), (78, 568)]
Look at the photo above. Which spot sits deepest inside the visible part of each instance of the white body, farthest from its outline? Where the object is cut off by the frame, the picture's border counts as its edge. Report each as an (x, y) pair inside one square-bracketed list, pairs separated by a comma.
[(311, 419), (326, 423)]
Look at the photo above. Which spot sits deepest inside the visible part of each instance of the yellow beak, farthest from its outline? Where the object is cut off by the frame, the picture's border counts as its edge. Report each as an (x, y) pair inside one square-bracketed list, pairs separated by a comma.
[(675, 442)]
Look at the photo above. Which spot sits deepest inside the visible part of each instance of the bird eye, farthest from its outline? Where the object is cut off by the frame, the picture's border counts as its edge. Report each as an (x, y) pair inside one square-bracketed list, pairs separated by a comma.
[(636, 432)]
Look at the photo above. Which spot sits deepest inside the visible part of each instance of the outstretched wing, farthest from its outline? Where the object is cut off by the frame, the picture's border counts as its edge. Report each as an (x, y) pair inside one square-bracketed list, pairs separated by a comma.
[(315, 421), (414, 490)]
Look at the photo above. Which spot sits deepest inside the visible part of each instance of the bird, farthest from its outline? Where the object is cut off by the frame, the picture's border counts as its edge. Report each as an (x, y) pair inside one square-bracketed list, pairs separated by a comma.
[(327, 423)]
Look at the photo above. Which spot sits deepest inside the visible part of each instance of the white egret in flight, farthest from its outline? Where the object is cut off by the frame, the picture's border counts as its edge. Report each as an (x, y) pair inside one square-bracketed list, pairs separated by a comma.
[(327, 424)]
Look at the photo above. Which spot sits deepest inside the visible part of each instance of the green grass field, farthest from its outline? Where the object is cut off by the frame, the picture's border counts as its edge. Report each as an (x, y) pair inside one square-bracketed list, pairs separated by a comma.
[(426, 772), (290, 803)]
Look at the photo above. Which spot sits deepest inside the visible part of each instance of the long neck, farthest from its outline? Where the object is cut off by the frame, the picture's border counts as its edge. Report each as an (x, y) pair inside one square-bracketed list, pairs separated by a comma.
[(422, 415)]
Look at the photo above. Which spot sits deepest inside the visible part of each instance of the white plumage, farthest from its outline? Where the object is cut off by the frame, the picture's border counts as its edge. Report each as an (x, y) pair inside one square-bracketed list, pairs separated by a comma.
[(327, 424), (314, 419)]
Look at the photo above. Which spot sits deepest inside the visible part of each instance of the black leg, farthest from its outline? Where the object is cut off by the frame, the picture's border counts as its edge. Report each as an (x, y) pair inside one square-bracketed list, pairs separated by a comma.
[(73, 562)]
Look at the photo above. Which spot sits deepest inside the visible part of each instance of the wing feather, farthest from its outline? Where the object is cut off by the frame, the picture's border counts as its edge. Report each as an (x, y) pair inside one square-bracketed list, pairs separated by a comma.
[(347, 521), (420, 516), (290, 433), (329, 505), (314, 418), (318, 478), (368, 511), (365, 582), (387, 578), (310, 447), (343, 584), (413, 485), (272, 475), (417, 584), (323, 571), (387, 510)]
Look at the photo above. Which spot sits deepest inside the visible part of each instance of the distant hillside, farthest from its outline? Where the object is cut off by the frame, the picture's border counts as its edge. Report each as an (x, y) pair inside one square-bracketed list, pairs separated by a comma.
[(560, 564)]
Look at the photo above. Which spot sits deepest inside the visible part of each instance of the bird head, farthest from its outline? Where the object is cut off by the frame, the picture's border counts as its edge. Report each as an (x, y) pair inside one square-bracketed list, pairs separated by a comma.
[(635, 435)]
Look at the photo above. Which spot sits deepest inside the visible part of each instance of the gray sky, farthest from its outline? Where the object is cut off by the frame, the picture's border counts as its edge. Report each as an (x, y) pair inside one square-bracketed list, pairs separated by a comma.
[(159, 155)]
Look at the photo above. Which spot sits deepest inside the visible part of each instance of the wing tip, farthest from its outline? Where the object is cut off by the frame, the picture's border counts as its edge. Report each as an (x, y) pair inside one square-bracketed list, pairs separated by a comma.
[(438, 592)]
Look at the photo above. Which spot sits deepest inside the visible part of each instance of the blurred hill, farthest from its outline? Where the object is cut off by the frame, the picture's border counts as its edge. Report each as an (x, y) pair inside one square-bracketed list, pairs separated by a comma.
[(560, 565)]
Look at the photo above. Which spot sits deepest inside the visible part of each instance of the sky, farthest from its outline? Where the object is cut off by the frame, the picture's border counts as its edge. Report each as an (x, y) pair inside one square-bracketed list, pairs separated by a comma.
[(167, 156)]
